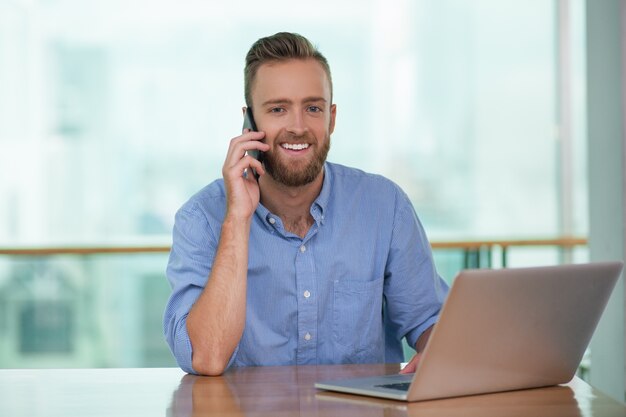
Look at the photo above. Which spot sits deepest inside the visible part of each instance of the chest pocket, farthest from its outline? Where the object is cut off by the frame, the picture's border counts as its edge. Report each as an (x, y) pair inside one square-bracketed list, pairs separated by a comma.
[(357, 314)]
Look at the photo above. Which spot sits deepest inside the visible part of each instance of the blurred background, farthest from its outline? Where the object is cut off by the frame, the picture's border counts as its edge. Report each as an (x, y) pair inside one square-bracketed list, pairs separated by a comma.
[(113, 113)]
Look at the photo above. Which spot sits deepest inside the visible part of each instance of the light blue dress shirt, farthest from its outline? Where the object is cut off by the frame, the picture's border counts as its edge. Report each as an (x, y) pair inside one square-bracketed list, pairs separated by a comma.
[(360, 280)]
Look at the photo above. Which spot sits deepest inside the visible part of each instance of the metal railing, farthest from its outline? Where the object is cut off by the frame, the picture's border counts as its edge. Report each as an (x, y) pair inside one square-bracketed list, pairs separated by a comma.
[(476, 253), (93, 293), (481, 253)]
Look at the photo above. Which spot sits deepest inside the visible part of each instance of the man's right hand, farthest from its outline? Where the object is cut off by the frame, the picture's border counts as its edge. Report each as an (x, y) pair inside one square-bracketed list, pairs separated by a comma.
[(242, 191)]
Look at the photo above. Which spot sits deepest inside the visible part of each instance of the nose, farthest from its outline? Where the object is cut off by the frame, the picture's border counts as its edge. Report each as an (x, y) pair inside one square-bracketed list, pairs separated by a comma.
[(297, 125)]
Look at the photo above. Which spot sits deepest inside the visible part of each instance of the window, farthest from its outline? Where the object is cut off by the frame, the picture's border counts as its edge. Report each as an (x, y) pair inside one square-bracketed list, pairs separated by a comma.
[(113, 114)]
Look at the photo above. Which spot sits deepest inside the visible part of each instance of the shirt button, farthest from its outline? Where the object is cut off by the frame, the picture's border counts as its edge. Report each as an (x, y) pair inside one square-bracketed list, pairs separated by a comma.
[(307, 336), (272, 220), (307, 294), (302, 248)]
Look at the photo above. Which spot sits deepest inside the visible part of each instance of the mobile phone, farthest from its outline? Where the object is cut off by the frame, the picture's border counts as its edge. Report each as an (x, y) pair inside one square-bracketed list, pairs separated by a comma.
[(249, 123)]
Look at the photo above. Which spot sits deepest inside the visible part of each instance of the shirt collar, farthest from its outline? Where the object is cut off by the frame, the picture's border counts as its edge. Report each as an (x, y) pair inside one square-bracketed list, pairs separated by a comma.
[(265, 216), (321, 202), (317, 208)]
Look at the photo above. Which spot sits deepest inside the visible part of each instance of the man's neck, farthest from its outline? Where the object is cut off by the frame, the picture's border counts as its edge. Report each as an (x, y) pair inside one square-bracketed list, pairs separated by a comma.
[(291, 204)]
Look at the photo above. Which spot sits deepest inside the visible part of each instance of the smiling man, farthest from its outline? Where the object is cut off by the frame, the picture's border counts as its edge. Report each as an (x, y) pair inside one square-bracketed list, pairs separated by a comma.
[(311, 263)]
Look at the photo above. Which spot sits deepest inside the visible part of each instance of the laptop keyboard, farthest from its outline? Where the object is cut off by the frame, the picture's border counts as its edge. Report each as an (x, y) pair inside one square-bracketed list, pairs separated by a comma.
[(400, 386)]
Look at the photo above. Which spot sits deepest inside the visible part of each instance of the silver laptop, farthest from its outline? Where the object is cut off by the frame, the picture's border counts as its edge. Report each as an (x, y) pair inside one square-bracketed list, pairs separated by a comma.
[(503, 330)]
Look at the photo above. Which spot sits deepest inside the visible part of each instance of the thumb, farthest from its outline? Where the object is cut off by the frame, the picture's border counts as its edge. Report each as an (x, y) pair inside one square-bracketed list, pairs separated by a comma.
[(412, 365)]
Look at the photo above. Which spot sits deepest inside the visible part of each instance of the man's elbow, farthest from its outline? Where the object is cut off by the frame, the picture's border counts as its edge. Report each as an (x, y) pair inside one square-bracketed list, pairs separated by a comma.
[(209, 366)]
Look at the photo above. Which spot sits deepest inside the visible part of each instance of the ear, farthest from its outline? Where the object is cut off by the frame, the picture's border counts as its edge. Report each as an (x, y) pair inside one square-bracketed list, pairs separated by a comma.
[(333, 115)]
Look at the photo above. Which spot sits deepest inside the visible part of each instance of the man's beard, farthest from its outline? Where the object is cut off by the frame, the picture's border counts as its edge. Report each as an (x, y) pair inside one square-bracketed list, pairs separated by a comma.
[(296, 174)]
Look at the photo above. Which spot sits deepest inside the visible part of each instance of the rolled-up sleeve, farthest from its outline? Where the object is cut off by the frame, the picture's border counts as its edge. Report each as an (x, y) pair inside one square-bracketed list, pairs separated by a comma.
[(414, 291), (189, 265)]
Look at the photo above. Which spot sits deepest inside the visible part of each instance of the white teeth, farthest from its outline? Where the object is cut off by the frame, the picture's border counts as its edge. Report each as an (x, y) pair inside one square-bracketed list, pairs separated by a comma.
[(296, 146)]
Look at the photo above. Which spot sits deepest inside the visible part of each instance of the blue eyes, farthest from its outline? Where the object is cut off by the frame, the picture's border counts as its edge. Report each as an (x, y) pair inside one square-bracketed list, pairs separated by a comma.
[(310, 109)]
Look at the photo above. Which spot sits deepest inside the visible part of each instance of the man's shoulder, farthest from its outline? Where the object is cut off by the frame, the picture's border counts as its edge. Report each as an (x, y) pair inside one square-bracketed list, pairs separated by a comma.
[(207, 199), (354, 178)]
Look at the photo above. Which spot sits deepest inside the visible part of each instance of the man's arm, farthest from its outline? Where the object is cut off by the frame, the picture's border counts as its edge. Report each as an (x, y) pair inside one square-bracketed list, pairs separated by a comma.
[(216, 321), (419, 348)]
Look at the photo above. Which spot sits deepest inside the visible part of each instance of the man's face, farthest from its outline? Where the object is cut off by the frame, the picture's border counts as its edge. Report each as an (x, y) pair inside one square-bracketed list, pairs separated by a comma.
[(291, 104)]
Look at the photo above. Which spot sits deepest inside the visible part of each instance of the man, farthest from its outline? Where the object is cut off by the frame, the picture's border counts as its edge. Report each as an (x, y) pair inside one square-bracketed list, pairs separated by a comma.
[(311, 263)]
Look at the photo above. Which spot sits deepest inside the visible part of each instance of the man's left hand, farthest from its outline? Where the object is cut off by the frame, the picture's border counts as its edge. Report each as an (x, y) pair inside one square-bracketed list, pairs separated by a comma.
[(419, 348), (412, 365)]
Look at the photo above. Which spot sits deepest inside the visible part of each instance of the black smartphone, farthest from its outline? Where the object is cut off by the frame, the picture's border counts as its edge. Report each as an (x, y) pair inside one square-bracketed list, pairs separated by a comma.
[(248, 120), (249, 123)]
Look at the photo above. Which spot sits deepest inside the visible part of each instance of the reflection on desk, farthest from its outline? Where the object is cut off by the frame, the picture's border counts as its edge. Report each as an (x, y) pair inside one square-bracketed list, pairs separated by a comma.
[(265, 391), (518, 403), (276, 391)]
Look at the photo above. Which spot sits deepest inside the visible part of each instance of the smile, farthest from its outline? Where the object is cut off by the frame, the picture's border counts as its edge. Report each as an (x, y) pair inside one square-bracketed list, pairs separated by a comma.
[(295, 146)]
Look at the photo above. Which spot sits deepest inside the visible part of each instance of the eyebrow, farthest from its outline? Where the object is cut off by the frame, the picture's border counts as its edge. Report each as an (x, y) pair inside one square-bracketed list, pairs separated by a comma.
[(312, 99)]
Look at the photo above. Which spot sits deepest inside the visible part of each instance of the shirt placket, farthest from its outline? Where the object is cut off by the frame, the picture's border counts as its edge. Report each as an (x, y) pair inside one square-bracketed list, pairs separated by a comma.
[(307, 305)]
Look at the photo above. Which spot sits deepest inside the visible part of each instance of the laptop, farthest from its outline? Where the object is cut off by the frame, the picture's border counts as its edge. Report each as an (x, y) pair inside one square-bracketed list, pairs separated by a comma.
[(502, 330)]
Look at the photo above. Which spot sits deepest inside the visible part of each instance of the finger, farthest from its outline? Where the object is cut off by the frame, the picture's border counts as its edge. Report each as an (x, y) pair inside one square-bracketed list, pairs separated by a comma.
[(411, 366), (245, 163), (248, 135), (240, 145), (408, 369), (253, 163)]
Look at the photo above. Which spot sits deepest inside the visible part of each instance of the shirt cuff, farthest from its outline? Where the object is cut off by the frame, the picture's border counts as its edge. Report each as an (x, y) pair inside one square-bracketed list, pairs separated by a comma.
[(184, 351), (182, 347), (415, 334)]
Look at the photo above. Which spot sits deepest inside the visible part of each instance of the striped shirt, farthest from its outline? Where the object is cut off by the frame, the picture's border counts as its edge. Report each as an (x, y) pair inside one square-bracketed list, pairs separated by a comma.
[(361, 279)]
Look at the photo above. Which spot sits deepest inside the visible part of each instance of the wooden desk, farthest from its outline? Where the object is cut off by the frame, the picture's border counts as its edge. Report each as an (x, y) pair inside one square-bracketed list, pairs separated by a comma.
[(268, 391)]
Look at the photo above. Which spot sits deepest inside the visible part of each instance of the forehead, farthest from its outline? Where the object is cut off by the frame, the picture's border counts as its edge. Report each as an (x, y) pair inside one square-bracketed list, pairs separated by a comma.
[(293, 79)]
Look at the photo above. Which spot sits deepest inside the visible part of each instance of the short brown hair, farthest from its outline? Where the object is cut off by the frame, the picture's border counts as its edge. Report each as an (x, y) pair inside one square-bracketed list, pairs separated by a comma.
[(280, 47)]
